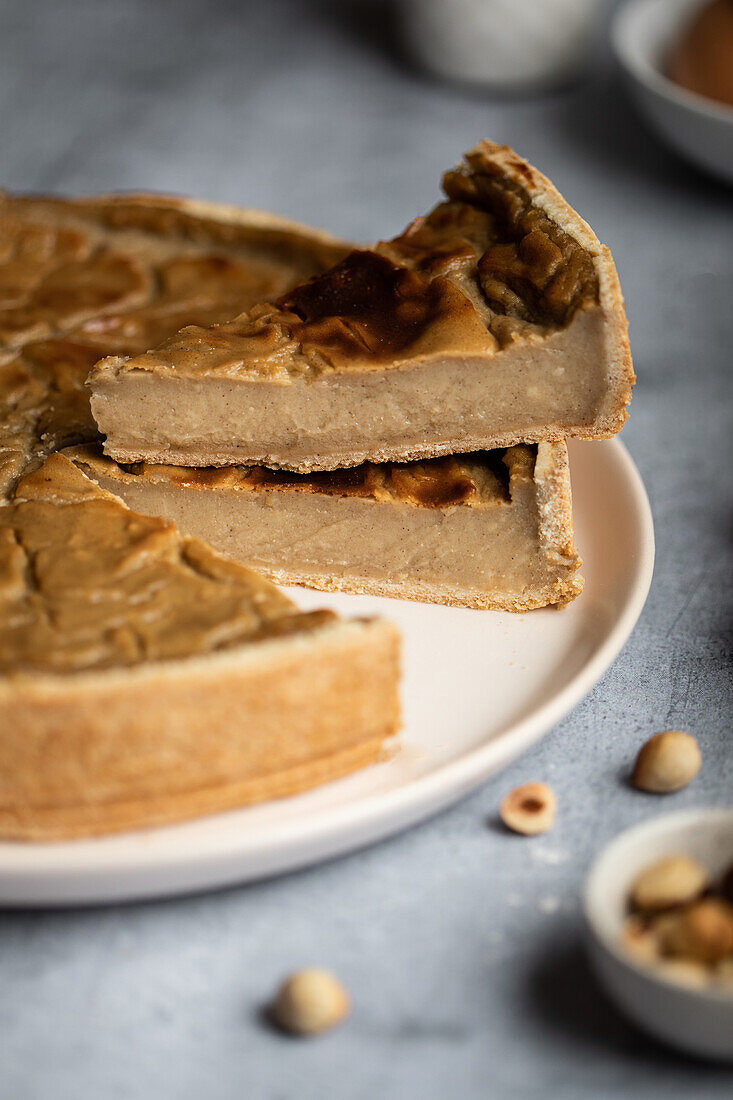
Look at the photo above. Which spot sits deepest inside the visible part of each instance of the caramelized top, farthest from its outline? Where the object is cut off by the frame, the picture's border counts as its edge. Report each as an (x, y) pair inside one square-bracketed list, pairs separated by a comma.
[(475, 480), (84, 279), (21, 398), (484, 268), (87, 584), (145, 263)]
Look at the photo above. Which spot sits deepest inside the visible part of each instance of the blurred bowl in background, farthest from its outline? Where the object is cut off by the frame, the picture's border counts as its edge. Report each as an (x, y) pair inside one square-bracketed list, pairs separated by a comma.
[(643, 33), (506, 45)]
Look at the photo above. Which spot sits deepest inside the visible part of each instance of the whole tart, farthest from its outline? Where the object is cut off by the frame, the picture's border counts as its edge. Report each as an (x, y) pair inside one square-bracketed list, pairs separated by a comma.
[(146, 679), (496, 319)]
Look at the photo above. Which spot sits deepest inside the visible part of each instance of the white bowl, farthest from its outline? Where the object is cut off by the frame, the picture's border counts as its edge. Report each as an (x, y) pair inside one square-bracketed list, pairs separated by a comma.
[(698, 1021), (699, 128), (507, 45)]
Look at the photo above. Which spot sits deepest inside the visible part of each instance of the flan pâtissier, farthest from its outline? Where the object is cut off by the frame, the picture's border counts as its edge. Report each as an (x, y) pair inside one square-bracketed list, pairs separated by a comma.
[(496, 319), (486, 530)]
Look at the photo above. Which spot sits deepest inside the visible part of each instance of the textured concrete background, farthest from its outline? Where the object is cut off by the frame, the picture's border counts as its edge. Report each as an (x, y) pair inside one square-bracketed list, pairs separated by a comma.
[(461, 945)]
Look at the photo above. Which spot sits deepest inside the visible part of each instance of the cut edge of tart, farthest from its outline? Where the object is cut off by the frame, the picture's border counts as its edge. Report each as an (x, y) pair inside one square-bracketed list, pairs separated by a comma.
[(485, 530), (495, 319)]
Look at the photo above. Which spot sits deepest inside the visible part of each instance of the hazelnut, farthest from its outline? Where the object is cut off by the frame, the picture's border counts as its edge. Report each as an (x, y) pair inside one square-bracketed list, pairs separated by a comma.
[(684, 972), (310, 1001), (639, 938), (529, 809), (703, 932), (666, 762), (676, 880)]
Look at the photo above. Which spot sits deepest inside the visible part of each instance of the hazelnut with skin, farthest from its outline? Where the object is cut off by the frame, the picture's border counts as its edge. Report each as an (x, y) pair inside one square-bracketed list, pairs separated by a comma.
[(667, 762), (702, 932), (680, 923)]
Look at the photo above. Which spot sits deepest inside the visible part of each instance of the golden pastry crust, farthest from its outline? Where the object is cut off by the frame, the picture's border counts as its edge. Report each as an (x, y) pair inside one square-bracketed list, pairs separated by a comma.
[(117, 750), (144, 678)]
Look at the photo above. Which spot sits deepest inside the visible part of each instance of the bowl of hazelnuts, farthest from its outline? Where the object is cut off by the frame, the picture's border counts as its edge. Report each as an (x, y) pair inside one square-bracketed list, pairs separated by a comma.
[(659, 914)]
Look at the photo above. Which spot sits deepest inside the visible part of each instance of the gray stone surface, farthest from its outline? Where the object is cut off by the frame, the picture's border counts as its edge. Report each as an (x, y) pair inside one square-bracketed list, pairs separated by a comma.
[(461, 945)]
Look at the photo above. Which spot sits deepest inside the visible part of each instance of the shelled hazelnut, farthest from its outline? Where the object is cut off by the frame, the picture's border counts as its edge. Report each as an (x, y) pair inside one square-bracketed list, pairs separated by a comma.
[(667, 762), (310, 1001), (529, 809), (702, 932), (681, 925), (673, 881)]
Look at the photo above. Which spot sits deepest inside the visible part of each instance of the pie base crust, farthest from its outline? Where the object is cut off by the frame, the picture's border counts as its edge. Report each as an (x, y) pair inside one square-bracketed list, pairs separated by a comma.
[(146, 679), (119, 750)]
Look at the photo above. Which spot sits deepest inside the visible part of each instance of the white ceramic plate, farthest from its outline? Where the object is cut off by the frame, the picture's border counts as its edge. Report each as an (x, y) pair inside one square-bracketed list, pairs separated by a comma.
[(479, 688)]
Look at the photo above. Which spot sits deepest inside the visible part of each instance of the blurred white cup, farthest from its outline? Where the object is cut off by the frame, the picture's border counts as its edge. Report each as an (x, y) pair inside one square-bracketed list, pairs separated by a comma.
[(503, 44)]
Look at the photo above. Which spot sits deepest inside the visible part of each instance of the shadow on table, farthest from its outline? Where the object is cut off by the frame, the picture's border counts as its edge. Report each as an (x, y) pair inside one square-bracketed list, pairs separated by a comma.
[(563, 996), (373, 23)]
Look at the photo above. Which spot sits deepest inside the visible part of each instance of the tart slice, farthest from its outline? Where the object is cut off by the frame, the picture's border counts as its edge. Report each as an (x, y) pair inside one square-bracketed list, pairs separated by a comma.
[(145, 679), (486, 530), (496, 319)]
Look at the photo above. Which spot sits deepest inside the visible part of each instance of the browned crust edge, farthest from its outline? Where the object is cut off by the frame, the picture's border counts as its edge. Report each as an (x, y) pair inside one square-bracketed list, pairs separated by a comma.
[(200, 722), (228, 213), (549, 595), (545, 195), (556, 434), (555, 509)]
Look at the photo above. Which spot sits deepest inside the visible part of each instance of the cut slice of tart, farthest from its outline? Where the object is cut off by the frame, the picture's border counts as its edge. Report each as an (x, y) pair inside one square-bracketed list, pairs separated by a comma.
[(496, 319), (146, 679), (485, 530)]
